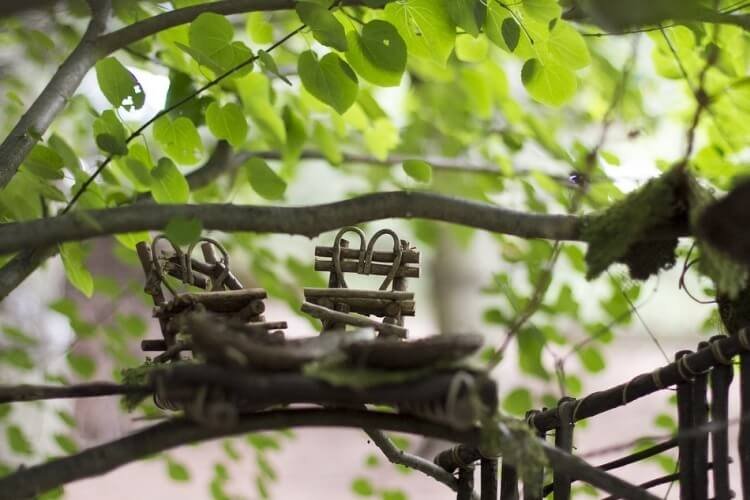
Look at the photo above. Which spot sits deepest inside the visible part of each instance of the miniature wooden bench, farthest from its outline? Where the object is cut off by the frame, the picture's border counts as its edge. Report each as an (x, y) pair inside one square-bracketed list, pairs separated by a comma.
[(222, 293), (336, 304)]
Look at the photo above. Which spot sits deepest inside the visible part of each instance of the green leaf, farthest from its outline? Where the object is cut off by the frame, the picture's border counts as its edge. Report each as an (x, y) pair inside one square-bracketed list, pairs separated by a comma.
[(82, 365), (378, 54), (259, 30), (591, 359), (549, 83), (210, 37), (393, 495), (168, 185), (129, 240), (66, 443), (542, 10), (467, 14), (324, 25), (73, 257), (362, 487), (119, 85), (511, 33), (183, 232), (110, 134), (227, 122), (518, 401), (177, 471), (263, 442), (110, 144), (255, 92), (425, 26), (381, 138), (419, 170), (530, 346), (44, 162), (329, 79), (17, 358), (179, 138), (268, 63), (567, 47), (17, 440), (264, 180)]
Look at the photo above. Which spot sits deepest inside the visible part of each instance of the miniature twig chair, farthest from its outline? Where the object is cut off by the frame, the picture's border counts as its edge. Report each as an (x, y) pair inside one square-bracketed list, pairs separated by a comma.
[(222, 294), (335, 304)]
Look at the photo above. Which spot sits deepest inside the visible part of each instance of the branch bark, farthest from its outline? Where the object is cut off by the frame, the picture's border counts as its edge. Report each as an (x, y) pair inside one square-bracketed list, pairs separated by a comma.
[(51, 101), (98, 460), (142, 29), (304, 220)]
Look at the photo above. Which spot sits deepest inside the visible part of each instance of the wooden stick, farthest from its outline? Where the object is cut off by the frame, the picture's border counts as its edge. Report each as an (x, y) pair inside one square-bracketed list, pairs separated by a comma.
[(564, 441), (687, 447), (376, 307), (209, 253), (348, 266), (488, 478), (721, 378), (409, 256), (352, 319), (508, 482), (360, 294)]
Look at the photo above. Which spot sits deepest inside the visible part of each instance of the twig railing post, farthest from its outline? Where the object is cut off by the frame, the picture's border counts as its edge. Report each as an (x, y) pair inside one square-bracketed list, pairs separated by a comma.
[(744, 438), (721, 378), (489, 479), (685, 423), (533, 482), (699, 420), (564, 441), (508, 482), (465, 482)]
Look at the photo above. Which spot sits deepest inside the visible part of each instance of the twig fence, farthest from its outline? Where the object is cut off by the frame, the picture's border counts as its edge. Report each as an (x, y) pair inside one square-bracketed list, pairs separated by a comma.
[(699, 423)]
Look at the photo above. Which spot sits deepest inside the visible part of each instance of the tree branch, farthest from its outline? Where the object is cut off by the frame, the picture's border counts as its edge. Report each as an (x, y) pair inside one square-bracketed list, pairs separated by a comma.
[(400, 457), (98, 460), (438, 163), (24, 263), (19, 393), (304, 220), (142, 29), (60, 88)]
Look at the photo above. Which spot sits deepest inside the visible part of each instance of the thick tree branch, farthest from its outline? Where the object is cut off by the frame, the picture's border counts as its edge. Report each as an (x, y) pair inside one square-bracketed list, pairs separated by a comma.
[(98, 460), (304, 220), (123, 37), (60, 88)]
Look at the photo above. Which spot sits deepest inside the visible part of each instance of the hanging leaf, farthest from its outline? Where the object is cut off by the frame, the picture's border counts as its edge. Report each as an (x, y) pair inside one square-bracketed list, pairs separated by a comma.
[(425, 26), (549, 83), (329, 79), (379, 54), (324, 25), (419, 170), (74, 261), (168, 185), (227, 122), (119, 85), (264, 180), (184, 232), (179, 138)]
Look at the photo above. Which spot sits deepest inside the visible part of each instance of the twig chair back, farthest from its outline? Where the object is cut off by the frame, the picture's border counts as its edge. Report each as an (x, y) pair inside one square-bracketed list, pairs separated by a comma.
[(336, 304)]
